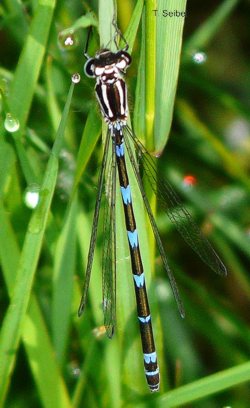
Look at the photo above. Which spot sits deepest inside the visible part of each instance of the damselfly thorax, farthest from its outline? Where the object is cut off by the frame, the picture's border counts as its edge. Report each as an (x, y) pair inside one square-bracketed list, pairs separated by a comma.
[(111, 91)]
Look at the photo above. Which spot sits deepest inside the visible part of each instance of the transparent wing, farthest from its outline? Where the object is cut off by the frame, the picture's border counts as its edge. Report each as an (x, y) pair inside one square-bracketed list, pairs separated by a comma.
[(155, 229), (177, 213), (94, 227), (109, 249)]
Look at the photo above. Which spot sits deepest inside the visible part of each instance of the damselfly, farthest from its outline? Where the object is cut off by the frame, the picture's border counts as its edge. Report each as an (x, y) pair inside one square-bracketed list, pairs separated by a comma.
[(108, 68)]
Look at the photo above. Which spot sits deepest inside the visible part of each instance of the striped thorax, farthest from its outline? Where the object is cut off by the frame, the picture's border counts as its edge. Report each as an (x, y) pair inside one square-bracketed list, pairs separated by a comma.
[(111, 91)]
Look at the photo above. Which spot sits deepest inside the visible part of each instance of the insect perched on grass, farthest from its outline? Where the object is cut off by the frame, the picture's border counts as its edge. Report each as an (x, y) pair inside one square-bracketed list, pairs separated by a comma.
[(108, 68)]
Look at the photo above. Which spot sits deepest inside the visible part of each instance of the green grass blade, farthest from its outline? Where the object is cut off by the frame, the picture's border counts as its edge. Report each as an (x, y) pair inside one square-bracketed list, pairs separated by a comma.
[(132, 29), (35, 337), (63, 283), (26, 76), (7, 159), (205, 33), (41, 355), (14, 318), (206, 386), (91, 133), (168, 52), (52, 103), (106, 13), (139, 108), (150, 71), (30, 62), (85, 21), (17, 20)]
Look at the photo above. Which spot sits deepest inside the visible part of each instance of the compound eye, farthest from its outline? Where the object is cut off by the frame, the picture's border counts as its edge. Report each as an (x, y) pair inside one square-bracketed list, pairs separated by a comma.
[(127, 57), (89, 68), (121, 64), (124, 59)]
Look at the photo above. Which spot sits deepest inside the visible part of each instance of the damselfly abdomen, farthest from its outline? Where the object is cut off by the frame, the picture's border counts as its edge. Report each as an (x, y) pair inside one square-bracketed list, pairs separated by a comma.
[(108, 68)]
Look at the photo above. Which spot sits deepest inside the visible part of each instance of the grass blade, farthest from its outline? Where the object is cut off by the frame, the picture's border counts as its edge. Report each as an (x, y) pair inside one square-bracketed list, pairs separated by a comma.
[(205, 33), (26, 77), (14, 318), (206, 386), (168, 52), (34, 334), (63, 283)]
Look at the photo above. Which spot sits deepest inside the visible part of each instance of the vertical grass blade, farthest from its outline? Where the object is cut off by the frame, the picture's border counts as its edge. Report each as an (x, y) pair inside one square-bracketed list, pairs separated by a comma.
[(35, 336), (91, 133), (14, 318), (27, 74), (63, 283), (150, 72), (30, 62), (169, 43)]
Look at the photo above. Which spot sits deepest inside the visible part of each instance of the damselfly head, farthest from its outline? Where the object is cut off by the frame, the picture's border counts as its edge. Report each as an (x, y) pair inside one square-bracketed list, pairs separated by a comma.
[(106, 57), (107, 61)]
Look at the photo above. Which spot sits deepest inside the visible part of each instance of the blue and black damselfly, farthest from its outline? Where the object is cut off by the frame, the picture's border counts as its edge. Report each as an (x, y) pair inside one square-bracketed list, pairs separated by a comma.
[(108, 68)]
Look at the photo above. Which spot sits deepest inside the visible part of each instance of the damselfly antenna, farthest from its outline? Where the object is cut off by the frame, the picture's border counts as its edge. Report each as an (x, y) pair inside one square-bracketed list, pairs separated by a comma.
[(118, 33)]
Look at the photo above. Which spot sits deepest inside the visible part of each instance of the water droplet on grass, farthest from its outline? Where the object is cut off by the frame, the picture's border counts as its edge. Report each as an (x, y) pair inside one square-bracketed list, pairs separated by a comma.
[(76, 78), (199, 57), (67, 39), (11, 123), (32, 195)]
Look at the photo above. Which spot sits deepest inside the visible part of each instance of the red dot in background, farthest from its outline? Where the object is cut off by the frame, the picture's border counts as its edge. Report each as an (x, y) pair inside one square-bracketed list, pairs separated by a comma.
[(189, 180)]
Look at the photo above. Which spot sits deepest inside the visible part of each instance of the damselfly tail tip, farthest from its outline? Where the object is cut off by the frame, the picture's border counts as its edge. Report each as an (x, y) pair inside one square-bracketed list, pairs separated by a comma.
[(155, 389)]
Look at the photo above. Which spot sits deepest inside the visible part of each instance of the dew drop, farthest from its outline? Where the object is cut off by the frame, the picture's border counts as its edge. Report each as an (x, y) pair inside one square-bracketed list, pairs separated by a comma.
[(32, 195), (74, 369), (11, 124), (76, 78), (67, 39), (199, 57)]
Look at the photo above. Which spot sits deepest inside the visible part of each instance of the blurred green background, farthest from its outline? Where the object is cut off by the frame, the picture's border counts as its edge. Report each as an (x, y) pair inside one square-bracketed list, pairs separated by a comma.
[(48, 356)]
